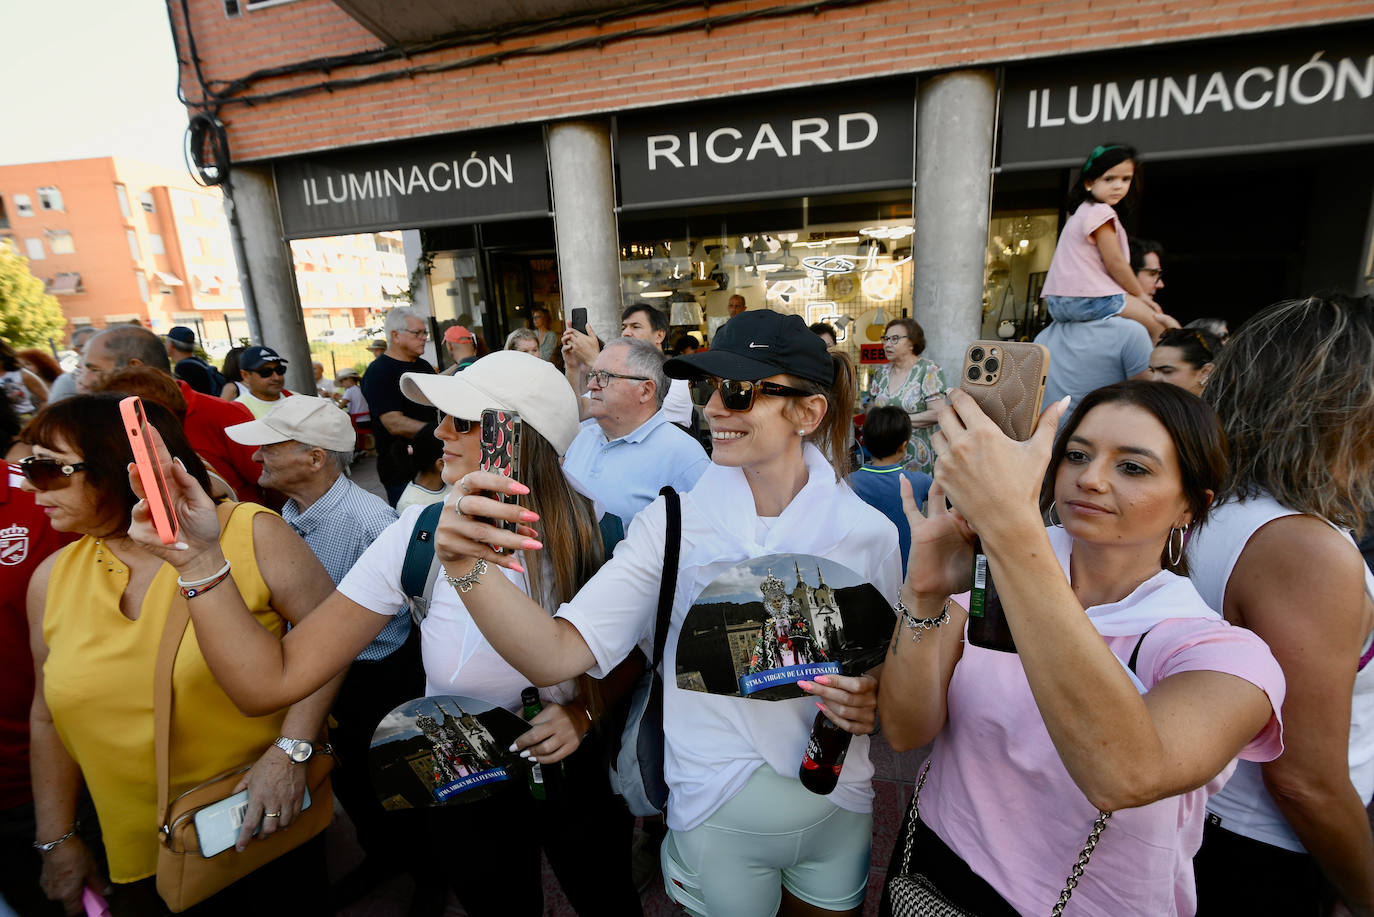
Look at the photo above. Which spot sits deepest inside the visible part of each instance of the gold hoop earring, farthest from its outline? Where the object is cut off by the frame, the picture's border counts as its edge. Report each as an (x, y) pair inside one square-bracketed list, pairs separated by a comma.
[(1176, 554), (1053, 514)]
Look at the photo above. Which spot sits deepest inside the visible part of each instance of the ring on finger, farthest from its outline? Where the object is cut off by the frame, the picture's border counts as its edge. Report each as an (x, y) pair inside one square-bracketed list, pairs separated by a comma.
[(458, 505), (271, 815)]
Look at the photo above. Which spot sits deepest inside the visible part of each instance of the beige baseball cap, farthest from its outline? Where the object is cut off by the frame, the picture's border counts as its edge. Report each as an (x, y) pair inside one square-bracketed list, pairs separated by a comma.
[(509, 380), (307, 420)]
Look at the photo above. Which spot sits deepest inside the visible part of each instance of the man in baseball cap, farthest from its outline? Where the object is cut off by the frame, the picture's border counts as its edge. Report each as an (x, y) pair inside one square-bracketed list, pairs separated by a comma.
[(462, 348), (264, 372), (186, 366), (305, 446)]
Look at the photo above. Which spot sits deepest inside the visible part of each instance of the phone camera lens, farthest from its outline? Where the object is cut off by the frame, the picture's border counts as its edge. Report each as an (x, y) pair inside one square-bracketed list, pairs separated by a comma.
[(974, 373), (976, 355), (992, 365)]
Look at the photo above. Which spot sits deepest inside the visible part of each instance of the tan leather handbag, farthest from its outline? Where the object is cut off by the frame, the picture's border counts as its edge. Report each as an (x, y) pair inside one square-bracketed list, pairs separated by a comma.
[(184, 877)]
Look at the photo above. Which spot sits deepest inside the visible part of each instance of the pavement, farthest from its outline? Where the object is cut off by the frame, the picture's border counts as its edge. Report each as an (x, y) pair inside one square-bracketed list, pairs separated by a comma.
[(895, 775)]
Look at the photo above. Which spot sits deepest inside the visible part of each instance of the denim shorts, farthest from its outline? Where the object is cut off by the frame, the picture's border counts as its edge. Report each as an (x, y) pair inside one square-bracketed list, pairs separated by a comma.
[(1085, 308)]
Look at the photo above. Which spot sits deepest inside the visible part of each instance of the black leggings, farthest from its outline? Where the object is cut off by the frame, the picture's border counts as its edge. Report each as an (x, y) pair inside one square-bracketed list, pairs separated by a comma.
[(489, 849), (1238, 875)]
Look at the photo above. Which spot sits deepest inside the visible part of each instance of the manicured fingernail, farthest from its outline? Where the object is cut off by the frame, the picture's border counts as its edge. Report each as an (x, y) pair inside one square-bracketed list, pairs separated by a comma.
[(525, 753), (820, 706), (531, 545), (512, 747), (804, 685), (519, 488), (528, 516), (181, 546), (517, 568), (1065, 400), (822, 680)]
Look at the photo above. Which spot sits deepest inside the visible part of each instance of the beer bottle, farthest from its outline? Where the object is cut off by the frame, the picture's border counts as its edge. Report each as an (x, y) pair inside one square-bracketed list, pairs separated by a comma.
[(824, 757), (987, 624), (530, 699)]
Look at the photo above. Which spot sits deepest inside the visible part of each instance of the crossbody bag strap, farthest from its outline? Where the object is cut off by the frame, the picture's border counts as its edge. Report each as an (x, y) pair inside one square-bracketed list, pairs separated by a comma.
[(672, 549), (178, 617)]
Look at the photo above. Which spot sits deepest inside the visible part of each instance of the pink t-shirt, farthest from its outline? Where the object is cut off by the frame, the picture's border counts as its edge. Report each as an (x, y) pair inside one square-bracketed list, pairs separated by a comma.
[(1077, 268), (1000, 797)]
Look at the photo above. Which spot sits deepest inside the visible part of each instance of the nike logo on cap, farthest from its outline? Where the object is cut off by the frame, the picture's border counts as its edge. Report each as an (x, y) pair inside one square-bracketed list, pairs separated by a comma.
[(752, 346)]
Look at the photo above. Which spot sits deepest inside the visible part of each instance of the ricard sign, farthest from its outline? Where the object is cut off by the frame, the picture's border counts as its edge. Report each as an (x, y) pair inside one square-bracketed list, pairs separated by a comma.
[(1303, 89), (850, 138)]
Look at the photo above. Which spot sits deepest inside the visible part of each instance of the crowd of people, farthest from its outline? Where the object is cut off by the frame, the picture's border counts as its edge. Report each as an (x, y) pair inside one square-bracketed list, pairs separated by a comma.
[(1185, 724)]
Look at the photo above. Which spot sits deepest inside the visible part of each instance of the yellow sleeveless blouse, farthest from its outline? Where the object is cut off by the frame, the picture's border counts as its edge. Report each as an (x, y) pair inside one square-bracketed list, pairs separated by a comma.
[(98, 682)]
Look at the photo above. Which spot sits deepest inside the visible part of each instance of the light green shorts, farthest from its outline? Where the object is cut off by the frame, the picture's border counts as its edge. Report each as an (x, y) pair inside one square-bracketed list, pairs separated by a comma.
[(773, 833)]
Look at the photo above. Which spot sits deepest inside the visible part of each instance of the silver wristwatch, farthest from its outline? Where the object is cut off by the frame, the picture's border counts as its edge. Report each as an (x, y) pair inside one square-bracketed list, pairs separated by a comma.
[(298, 750)]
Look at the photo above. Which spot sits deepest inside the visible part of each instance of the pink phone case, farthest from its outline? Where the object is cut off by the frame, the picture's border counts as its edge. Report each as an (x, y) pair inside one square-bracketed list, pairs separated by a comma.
[(158, 497), (94, 903)]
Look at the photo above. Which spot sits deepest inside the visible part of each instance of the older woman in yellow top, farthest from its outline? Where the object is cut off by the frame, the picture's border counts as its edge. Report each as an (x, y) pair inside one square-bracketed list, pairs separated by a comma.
[(96, 613)]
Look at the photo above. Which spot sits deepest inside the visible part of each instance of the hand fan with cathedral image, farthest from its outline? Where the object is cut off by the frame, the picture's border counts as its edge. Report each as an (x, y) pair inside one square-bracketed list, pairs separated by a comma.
[(771, 621)]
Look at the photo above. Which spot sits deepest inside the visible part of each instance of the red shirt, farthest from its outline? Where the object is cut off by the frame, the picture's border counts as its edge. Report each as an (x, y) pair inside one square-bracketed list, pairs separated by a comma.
[(206, 418), (26, 539)]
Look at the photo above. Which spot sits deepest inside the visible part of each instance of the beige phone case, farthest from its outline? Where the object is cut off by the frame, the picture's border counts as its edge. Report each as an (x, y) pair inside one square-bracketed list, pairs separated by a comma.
[(1007, 379)]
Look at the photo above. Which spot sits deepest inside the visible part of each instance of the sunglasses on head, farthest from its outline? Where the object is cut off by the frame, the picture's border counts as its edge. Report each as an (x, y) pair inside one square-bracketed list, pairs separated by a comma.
[(268, 373), (460, 425), (48, 473), (737, 395)]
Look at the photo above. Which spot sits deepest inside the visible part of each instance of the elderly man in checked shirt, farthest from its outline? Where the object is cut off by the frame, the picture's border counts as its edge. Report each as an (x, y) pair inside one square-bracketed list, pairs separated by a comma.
[(305, 446)]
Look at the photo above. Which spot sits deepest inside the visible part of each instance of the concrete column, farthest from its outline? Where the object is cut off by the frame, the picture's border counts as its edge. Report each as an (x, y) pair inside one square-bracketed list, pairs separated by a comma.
[(280, 320), (584, 222), (955, 116)]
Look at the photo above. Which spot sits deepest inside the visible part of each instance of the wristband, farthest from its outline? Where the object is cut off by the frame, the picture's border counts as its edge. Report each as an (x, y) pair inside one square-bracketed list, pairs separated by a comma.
[(190, 584), (203, 586)]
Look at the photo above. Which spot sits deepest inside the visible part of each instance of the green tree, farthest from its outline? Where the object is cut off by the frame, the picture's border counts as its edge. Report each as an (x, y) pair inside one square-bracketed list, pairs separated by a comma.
[(28, 316)]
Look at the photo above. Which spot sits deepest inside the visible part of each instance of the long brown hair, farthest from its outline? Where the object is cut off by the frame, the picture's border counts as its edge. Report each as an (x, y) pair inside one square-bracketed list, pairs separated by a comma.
[(1294, 388), (572, 539), (833, 433)]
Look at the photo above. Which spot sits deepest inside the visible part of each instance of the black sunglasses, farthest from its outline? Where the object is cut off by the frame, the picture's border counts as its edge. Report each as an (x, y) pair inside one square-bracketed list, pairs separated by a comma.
[(460, 425), (738, 395), (47, 473), (269, 373)]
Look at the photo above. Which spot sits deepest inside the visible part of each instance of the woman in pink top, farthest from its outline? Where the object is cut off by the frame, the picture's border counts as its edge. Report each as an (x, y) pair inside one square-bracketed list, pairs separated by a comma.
[(1090, 276), (1126, 693)]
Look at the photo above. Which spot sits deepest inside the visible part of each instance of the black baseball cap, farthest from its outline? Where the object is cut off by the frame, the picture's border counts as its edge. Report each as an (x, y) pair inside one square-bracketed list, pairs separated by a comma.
[(253, 357), (182, 335), (756, 344)]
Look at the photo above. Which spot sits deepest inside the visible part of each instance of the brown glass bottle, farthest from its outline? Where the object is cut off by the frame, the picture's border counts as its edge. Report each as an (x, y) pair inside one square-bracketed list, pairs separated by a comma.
[(987, 625), (824, 757)]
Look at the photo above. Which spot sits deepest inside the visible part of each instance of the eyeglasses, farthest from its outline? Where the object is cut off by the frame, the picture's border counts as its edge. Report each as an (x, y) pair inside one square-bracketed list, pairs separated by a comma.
[(894, 338), (1152, 271), (268, 373), (737, 395), (460, 425), (47, 473), (603, 377), (418, 332)]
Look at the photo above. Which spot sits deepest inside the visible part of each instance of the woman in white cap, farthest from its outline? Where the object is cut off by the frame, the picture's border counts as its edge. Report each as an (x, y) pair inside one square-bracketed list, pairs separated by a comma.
[(490, 847), (741, 822)]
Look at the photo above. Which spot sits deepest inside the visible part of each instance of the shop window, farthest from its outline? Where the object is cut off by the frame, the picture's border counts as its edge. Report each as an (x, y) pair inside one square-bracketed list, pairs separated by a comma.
[(49, 198), (34, 247), (155, 243), (134, 250), (842, 260), (60, 241), (22, 205), (142, 286), (1020, 247), (145, 199), (122, 194)]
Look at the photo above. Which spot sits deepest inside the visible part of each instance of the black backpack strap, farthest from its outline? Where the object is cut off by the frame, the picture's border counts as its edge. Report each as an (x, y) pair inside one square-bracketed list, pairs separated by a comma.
[(672, 548), (421, 567)]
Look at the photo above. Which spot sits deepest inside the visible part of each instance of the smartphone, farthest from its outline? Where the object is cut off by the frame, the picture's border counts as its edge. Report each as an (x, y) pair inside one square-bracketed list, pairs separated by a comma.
[(500, 450), (579, 320), (218, 824), (1007, 379), (149, 471)]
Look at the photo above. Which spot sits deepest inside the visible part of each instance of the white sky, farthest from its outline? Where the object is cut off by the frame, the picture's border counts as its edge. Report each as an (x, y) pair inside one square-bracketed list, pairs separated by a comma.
[(87, 78)]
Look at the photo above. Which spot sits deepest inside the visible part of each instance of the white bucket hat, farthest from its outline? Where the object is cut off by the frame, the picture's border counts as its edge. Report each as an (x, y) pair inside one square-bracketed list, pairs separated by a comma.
[(509, 380)]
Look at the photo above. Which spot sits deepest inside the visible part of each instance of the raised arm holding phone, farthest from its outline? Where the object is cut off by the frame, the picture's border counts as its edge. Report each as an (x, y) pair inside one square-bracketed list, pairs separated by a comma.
[(1126, 693)]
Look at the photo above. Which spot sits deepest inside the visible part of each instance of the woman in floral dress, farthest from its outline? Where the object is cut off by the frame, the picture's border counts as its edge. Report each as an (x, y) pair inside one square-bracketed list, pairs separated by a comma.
[(912, 383)]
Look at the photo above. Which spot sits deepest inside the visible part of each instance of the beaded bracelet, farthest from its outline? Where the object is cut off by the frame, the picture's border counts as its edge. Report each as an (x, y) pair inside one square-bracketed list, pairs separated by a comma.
[(919, 626)]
